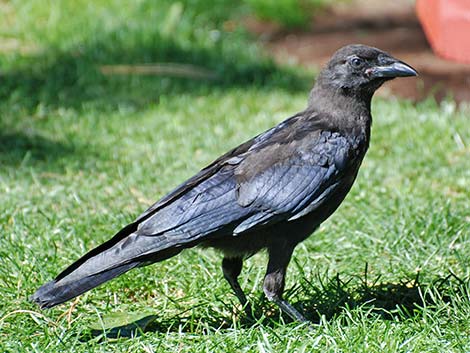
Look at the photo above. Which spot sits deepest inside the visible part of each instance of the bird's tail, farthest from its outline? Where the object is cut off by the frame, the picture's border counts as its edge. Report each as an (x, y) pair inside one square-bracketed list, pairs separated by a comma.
[(120, 254), (53, 293)]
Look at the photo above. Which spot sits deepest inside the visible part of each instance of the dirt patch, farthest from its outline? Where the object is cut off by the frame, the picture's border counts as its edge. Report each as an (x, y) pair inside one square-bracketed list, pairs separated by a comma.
[(391, 26)]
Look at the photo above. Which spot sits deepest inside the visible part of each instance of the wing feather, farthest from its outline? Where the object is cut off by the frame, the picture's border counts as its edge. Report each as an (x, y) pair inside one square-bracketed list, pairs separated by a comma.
[(266, 180), (297, 184)]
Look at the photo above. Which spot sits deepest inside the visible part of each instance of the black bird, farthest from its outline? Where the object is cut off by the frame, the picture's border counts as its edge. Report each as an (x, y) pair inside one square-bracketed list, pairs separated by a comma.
[(270, 192)]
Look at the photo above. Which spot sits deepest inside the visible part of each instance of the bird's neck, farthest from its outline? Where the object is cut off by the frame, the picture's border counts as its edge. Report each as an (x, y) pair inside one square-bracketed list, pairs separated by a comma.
[(349, 111)]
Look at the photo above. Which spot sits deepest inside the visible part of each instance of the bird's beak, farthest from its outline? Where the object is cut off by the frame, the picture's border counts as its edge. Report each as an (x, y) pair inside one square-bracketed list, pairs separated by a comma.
[(395, 69)]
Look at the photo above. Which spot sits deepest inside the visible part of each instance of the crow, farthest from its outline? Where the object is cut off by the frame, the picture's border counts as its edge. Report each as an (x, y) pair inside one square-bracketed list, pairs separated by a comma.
[(270, 192)]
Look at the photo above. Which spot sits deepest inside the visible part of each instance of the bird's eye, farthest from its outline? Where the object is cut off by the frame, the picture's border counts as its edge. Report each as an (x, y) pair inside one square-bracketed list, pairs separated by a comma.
[(356, 62)]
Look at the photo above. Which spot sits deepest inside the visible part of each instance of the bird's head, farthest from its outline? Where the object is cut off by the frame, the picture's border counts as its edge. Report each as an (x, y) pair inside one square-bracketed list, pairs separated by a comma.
[(360, 68)]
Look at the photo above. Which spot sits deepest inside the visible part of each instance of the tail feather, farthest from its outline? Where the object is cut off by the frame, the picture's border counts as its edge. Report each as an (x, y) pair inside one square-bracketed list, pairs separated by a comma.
[(119, 236), (103, 263), (53, 293)]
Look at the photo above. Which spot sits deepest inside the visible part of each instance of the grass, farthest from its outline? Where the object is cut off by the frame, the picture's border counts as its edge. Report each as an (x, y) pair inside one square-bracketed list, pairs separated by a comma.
[(83, 153), (290, 14)]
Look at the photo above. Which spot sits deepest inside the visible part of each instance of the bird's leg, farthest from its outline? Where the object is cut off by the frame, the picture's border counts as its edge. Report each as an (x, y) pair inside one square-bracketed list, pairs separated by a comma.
[(231, 268), (274, 281)]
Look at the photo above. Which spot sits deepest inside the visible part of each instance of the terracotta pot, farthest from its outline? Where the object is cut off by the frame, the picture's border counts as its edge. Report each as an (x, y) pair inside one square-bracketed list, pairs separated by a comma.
[(447, 27)]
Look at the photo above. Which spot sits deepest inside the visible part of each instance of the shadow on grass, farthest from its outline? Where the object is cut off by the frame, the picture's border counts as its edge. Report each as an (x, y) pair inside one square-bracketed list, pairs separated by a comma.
[(15, 145), (390, 301), (47, 155), (74, 78)]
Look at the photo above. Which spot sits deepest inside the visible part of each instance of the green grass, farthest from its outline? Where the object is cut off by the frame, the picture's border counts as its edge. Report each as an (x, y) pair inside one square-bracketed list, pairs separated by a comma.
[(82, 153), (287, 13)]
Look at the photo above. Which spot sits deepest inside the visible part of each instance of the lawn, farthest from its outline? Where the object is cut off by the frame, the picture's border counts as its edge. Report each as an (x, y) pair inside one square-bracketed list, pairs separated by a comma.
[(82, 153)]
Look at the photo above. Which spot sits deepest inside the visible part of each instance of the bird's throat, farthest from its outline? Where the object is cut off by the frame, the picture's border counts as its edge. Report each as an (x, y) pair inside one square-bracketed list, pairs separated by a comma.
[(348, 111)]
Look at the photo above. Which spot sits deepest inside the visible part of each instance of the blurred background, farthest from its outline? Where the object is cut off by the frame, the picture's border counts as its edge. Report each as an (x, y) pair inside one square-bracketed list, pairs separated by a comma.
[(79, 52), (390, 25)]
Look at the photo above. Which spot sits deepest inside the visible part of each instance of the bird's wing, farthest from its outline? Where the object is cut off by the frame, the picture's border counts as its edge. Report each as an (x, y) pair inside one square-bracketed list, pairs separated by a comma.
[(280, 175), (206, 202), (230, 158), (288, 179)]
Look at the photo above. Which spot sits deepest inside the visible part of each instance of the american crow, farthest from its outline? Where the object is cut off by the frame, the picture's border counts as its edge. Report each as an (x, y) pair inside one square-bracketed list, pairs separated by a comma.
[(270, 193)]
